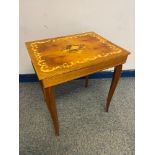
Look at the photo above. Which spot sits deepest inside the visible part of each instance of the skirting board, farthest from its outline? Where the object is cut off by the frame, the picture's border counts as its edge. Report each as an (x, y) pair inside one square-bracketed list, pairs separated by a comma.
[(103, 74)]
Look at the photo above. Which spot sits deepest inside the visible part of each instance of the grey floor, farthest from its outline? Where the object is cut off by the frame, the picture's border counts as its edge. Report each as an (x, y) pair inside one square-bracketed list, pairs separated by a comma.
[(85, 128)]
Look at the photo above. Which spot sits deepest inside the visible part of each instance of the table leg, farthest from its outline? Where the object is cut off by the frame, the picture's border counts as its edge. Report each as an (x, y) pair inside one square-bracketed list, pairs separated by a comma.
[(50, 101), (43, 90), (115, 79), (86, 81)]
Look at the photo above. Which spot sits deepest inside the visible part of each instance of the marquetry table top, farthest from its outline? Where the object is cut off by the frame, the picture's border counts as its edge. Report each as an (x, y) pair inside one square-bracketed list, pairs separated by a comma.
[(61, 55)]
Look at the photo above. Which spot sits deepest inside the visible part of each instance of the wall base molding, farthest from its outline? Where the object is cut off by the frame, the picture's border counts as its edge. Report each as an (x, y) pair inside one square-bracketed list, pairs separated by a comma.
[(103, 74)]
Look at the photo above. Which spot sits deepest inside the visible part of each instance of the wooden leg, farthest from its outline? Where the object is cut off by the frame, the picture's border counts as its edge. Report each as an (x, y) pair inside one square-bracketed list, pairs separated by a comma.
[(86, 81), (50, 101), (43, 90), (115, 79)]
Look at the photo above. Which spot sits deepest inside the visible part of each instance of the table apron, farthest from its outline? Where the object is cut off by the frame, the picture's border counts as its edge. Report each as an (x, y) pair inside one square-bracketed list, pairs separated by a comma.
[(61, 78)]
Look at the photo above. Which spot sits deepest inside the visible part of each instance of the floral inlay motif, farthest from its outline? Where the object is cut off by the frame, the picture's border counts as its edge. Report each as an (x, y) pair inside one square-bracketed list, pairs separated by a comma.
[(71, 48)]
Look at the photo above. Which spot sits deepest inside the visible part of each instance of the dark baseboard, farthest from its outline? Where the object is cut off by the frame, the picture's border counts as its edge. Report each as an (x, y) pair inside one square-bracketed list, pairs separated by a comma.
[(103, 74)]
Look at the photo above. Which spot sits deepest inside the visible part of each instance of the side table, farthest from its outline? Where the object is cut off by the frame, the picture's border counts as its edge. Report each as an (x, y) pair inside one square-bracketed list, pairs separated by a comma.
[(58, 60)]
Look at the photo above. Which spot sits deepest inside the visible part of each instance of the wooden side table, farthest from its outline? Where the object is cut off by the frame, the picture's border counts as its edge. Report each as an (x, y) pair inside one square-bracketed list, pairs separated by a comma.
[(62, 59)]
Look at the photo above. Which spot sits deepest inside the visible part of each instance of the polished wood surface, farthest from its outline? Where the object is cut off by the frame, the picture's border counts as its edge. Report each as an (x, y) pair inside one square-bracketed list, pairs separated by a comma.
[(58, 60), (115, 79), (61, 78), (43, 90), (50, 101), (61, 55)]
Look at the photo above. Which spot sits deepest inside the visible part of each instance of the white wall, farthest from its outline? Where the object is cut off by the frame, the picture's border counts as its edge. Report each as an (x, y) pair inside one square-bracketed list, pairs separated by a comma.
[(39, 19)]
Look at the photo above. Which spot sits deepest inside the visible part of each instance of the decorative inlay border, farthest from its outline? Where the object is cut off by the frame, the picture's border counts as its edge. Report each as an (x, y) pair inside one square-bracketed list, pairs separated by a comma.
[(45, 68)]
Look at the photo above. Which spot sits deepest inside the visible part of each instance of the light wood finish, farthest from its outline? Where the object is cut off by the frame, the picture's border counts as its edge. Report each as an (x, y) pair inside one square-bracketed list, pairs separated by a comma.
[(52, 81), (50, 101), (58, 60), (114, 82), (57, 56), (43, 90)]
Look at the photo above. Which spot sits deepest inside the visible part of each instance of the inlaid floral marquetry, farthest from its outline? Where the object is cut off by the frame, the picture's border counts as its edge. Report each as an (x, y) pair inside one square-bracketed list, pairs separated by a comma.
[(64, 54)]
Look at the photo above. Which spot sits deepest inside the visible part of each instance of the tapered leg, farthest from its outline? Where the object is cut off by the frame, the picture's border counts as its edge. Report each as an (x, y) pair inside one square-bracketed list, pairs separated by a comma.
[(115, 79), (50, 101), (86, 81), (43, 90)]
